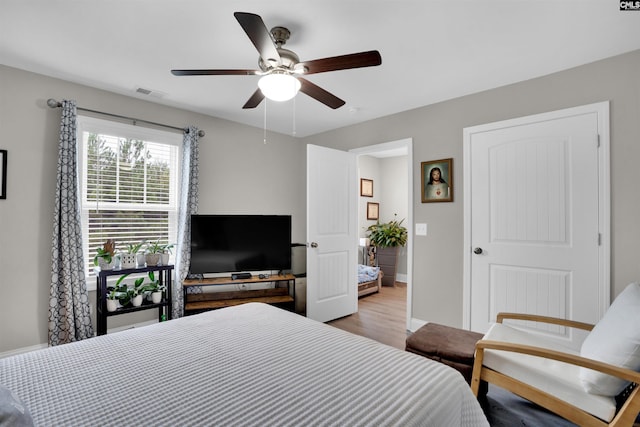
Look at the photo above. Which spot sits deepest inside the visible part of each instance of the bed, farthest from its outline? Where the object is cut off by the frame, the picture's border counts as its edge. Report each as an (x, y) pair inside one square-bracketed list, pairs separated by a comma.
[(247, 365), (369, 279)]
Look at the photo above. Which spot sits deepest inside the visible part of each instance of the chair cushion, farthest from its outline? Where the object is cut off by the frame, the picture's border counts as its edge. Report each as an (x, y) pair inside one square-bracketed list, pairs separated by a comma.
[(556, 378), (615, 340)]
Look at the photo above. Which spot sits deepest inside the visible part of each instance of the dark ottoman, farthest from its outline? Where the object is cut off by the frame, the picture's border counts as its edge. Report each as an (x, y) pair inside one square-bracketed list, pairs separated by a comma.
[(451, 346)]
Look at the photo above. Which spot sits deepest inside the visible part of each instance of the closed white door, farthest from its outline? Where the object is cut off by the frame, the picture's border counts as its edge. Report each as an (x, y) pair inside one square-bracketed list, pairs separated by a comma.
[(536, 220), (331, 233)]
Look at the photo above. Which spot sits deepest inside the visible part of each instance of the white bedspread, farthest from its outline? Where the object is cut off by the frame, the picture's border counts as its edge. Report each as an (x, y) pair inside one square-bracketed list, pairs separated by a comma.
[(249, 365)]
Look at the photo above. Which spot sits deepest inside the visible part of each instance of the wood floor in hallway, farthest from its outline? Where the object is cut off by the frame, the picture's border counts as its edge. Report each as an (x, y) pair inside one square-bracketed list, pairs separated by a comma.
[(381, 316)]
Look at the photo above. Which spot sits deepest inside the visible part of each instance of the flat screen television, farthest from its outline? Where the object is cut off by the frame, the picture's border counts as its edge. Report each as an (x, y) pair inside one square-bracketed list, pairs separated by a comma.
[(240, 243)]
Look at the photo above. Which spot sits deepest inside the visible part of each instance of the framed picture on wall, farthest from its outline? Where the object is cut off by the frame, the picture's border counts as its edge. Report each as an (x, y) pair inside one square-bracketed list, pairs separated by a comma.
[(373, 210), (437, 181), (366, 187), (3, 174)]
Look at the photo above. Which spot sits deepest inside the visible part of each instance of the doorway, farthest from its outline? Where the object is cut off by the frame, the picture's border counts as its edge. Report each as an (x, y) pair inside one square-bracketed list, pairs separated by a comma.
[(394, 149)]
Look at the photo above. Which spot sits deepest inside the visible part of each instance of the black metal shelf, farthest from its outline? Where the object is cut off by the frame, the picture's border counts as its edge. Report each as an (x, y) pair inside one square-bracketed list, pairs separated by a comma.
[(164, 307)]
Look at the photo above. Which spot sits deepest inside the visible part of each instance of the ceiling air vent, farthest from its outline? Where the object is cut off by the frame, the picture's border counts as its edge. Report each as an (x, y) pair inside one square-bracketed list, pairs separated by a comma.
[(150, 92)]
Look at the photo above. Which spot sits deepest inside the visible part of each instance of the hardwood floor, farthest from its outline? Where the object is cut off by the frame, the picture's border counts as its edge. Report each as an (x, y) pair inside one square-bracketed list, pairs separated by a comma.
[(381, 316)]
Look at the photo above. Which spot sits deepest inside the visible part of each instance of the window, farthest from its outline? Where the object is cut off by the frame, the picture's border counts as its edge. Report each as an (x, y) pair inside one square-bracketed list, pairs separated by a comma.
[(128, 185)]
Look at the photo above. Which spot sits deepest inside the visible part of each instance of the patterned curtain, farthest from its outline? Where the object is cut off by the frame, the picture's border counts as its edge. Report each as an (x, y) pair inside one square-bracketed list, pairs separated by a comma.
[(188, 206), (69, 312)]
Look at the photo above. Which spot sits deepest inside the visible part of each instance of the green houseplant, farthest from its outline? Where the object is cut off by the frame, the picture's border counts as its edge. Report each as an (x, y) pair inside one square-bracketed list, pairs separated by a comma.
[(129, 257), (153, 251), (388, 238), (388, 235), (154, 289), (166, 253), (105, 255), (127, 295)]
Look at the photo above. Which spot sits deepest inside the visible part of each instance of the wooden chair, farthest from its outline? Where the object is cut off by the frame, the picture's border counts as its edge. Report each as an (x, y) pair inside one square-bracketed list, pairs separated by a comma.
[(545, 395)]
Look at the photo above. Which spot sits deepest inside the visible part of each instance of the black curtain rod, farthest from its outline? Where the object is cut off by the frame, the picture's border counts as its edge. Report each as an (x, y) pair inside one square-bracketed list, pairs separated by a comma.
[(55, 104)]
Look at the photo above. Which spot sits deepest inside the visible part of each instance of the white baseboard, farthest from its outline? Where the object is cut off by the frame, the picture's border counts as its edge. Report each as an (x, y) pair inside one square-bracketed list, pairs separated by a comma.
[(22, 350), (41, 346), (416, 324), (401, 278)]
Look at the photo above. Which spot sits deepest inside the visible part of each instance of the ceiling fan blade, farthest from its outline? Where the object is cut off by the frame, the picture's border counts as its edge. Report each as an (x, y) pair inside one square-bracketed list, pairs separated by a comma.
[(255, 100), (343, 62), (215, 72), (259, 35), (319, 94)]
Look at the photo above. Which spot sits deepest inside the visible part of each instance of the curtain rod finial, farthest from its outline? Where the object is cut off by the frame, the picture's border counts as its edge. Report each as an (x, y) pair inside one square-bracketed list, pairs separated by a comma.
[(53, 103)]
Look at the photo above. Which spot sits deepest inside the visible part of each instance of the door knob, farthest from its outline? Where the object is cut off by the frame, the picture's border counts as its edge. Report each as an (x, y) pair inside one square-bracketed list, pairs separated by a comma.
[(477, 251), (313, 245)]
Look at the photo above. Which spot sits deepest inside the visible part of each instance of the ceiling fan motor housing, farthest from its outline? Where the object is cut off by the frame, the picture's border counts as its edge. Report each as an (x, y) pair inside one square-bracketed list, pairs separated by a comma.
[(288, 58)]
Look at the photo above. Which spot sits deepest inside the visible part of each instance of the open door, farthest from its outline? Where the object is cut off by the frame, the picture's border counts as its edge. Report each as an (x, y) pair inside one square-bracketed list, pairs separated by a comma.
[(331, 233)]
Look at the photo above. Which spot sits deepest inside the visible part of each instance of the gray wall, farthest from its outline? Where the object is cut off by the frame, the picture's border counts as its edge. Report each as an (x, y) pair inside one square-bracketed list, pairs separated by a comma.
[(437, 133), (235, 177), (238, 173)]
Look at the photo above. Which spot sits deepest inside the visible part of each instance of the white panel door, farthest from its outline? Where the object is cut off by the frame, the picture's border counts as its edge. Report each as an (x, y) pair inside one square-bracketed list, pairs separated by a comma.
[(331, 233), (535, 223)]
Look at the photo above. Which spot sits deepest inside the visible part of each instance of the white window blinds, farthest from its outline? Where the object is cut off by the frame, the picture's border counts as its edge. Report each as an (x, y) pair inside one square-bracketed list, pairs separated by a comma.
[(129, 184)]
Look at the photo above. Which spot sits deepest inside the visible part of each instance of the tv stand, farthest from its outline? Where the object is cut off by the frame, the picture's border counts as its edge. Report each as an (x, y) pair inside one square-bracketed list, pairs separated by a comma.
[(204, 301)]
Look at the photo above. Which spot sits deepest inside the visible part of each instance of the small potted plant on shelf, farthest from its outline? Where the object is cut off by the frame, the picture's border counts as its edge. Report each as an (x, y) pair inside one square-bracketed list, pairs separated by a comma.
[(118, 294), (154, 289), (128, 295), (112, 300), (153, 252), (136, 292), (166, 253), (105, 255), (129, 258)]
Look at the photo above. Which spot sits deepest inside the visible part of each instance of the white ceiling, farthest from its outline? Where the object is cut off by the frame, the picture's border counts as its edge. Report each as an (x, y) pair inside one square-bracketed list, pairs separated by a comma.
[(431, 50)]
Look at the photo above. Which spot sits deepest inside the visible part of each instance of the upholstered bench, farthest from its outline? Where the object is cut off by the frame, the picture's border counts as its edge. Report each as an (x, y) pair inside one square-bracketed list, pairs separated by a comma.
[(451, 346)]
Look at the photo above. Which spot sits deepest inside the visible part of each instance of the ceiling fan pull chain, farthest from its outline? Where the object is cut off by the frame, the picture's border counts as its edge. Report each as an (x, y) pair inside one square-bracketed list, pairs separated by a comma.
[(293, 133), (265, 123)]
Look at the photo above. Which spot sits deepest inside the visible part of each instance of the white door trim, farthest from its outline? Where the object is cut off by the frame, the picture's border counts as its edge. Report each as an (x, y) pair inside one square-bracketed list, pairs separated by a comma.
[(406, 144), (604, 189)]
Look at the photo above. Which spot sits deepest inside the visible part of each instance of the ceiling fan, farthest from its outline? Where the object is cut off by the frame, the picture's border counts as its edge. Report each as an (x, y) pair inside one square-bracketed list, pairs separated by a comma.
[(281, 69)]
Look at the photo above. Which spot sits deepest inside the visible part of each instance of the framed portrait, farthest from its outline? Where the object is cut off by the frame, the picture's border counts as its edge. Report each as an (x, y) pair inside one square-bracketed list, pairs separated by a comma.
[(373, 210), (366, 187), (437, 181), (3, 174)]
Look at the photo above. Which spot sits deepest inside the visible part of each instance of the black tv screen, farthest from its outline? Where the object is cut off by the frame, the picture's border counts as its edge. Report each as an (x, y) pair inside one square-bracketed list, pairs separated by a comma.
[(240, 243)]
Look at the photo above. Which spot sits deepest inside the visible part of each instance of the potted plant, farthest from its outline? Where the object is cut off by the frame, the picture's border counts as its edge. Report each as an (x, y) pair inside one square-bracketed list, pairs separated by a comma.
[(118, 295), (128, 295), (136, 292), (105, 255), (112, 300), (154, 289), (130, 256), (153, 252), (166, 253), (388, 238)]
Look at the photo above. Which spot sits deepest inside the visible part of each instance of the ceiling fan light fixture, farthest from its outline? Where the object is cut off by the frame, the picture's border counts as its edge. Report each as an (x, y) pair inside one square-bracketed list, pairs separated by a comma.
[(279, 86)]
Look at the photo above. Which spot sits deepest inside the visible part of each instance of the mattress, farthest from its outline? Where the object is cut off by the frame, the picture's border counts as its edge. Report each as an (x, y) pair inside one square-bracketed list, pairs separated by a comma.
[(248, 365)]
